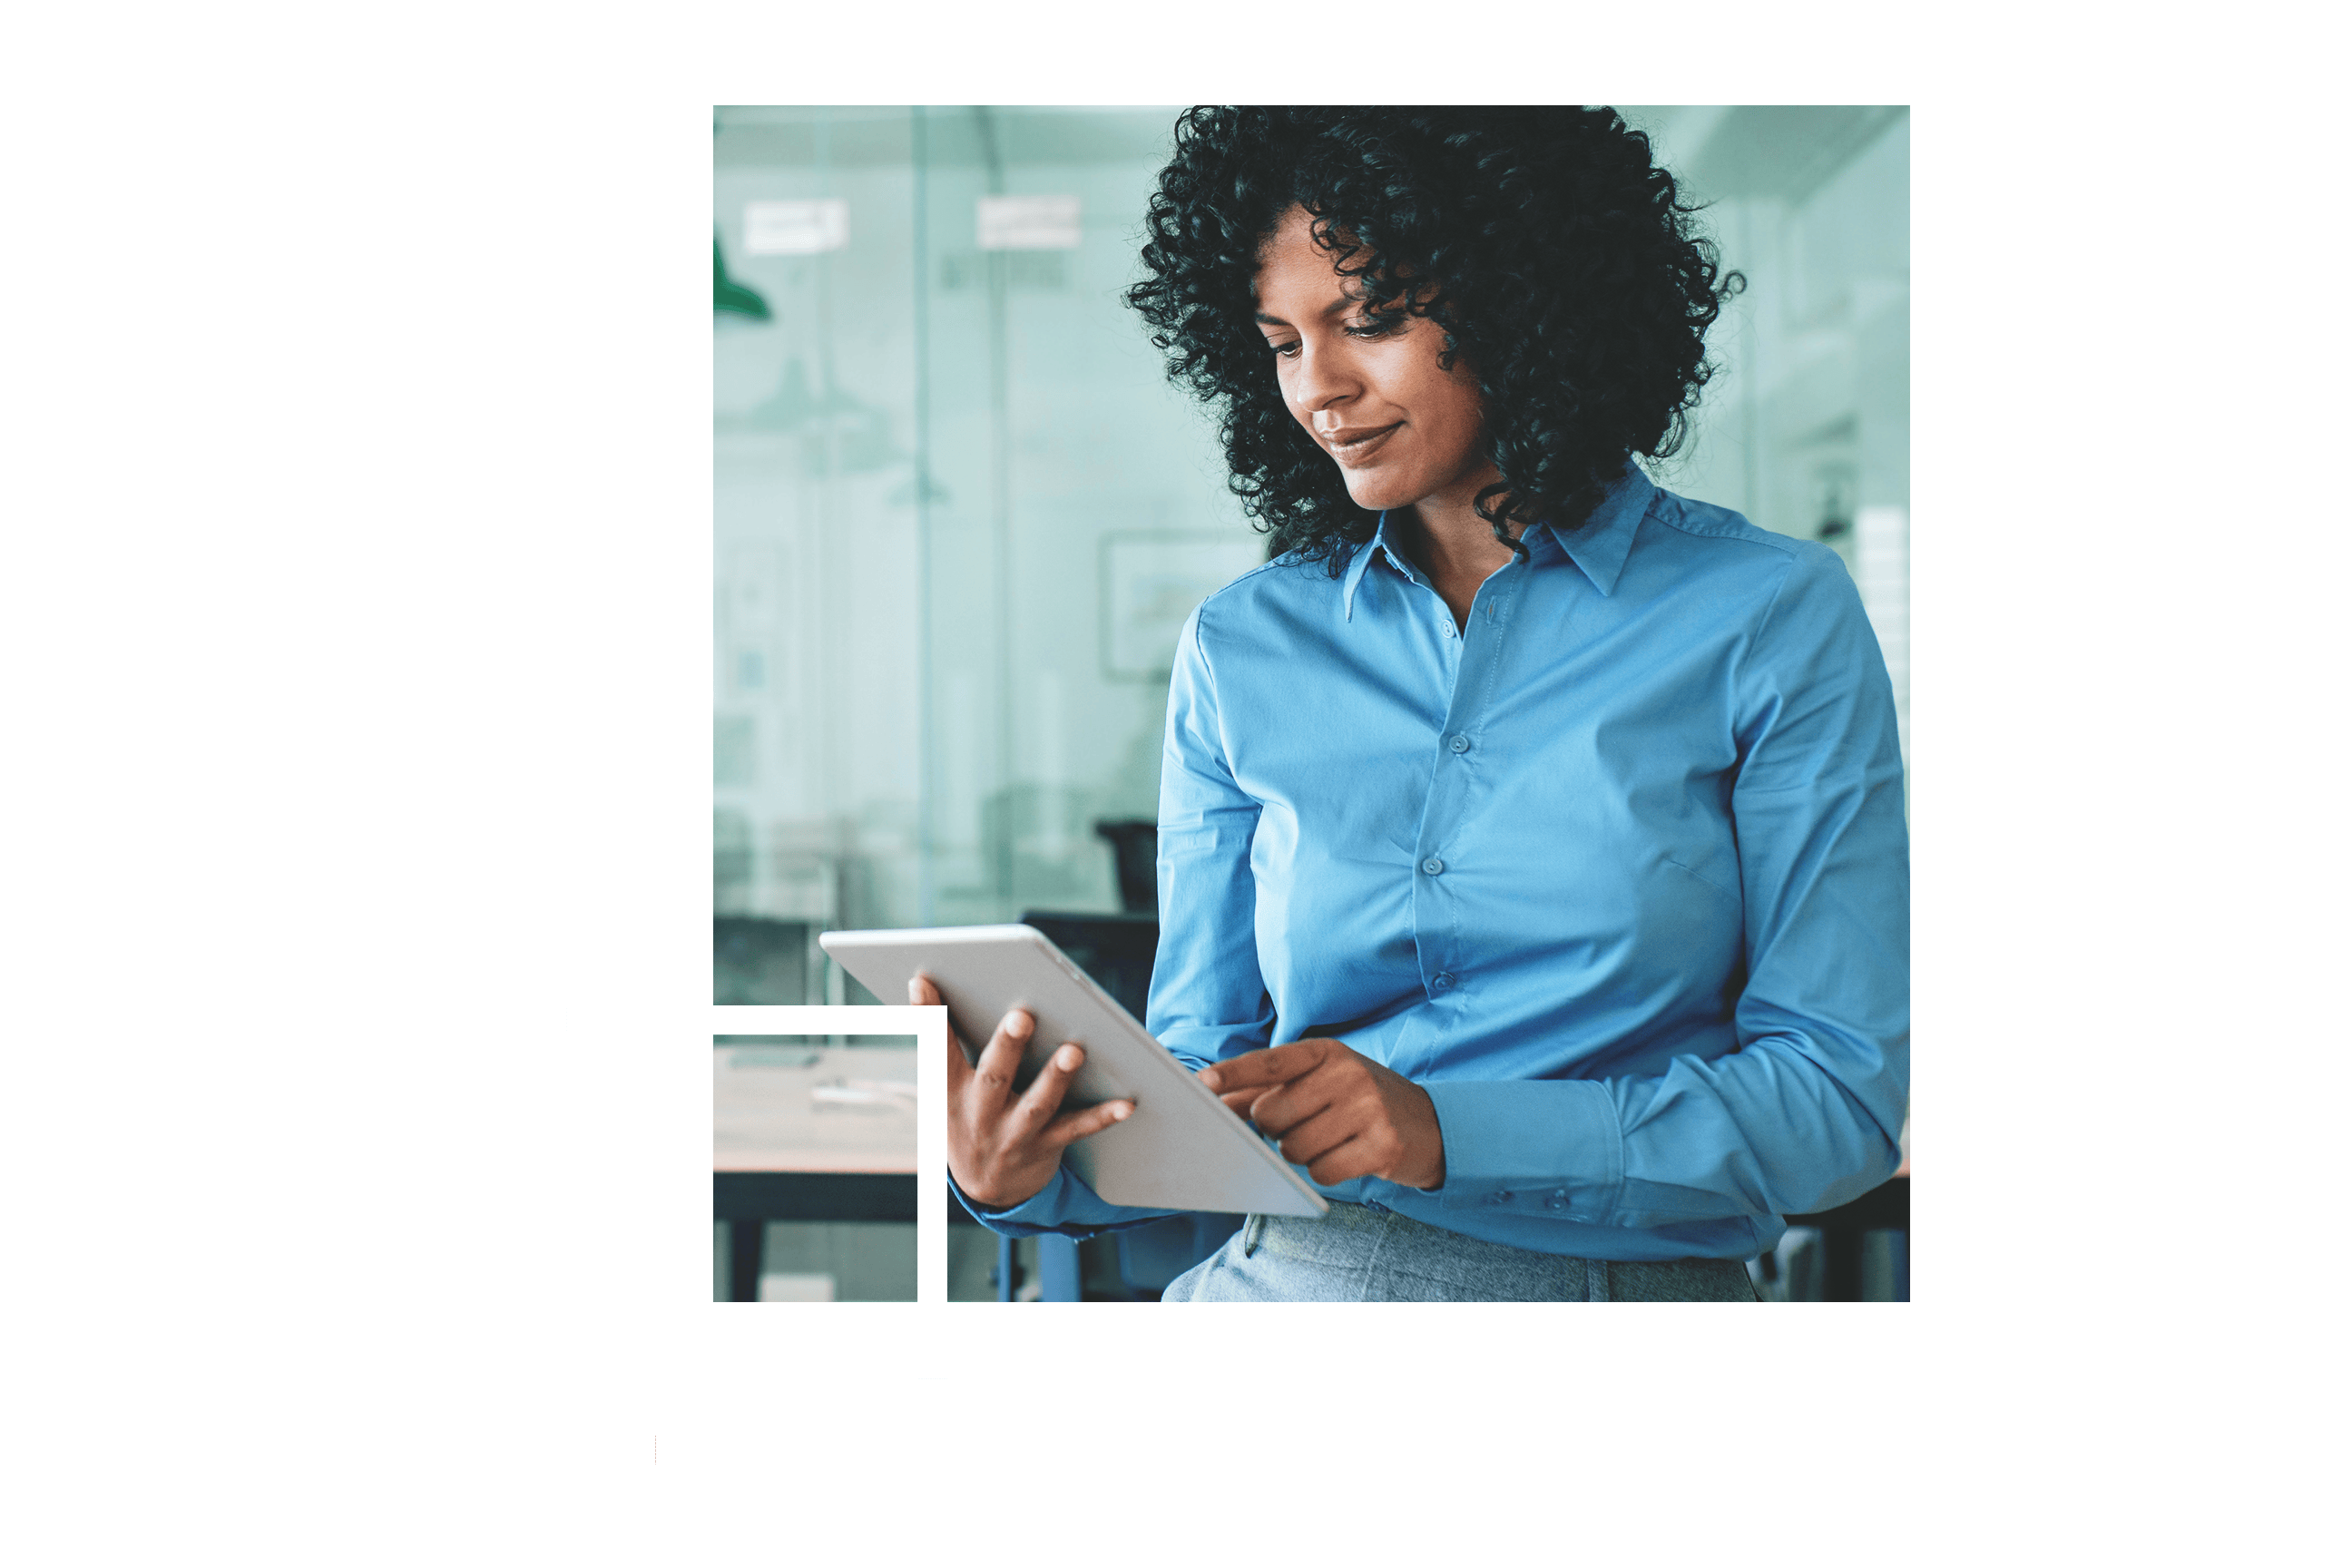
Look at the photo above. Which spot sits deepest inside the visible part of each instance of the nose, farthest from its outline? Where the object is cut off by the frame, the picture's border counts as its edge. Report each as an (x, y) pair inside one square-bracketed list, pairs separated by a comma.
[(1319, 383)]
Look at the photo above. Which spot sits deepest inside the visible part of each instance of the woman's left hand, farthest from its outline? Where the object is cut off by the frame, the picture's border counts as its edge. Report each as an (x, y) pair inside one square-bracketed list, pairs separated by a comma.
[(1340, 1114)]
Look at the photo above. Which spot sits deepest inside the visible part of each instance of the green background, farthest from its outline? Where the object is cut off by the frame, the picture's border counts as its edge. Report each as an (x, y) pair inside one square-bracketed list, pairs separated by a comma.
[(356, 624)]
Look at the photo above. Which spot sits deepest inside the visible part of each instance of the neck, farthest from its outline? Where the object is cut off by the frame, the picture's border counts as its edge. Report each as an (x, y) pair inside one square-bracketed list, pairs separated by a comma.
[(1454, 544), (1449, 537)]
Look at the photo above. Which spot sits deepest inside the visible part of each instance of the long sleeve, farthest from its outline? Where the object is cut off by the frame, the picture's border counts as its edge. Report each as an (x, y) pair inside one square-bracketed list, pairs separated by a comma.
[(1804, 1113), (1207, 999)]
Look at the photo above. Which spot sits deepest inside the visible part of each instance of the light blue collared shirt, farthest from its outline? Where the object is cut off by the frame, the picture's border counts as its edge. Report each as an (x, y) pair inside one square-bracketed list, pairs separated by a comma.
[(1618, 875)]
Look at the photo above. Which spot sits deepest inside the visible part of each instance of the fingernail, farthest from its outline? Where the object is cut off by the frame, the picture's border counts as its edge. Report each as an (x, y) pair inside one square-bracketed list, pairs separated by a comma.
[(1018, 1025), (1067, 1058), (1122, 1112)]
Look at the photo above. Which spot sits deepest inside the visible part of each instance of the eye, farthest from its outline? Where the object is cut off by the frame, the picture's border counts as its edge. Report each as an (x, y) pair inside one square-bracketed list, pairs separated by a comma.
[(1373, 327), (1283, 350)]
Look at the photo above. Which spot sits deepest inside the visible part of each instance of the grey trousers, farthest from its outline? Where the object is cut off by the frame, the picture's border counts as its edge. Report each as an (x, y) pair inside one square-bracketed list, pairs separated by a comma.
[(1358, 1254)]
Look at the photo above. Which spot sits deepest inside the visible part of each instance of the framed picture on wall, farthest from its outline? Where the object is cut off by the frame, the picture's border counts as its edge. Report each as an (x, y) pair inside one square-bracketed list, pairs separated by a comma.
[(1151, 582)]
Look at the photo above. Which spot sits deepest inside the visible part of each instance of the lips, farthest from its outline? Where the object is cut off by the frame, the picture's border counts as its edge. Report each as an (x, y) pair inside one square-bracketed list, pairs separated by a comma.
[(1354, 447)]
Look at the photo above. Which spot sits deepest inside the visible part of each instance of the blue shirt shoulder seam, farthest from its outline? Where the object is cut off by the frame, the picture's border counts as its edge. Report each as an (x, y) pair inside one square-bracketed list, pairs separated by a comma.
[(1200, 613), (1675, 512), (1677, 516)]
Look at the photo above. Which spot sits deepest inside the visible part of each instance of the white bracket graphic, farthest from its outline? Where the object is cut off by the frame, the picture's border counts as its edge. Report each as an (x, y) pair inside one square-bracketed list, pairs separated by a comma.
[(930, 1439)]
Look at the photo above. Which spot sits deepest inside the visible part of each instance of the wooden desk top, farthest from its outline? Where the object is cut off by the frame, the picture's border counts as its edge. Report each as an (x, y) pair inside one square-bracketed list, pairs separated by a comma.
[(768, 1115)]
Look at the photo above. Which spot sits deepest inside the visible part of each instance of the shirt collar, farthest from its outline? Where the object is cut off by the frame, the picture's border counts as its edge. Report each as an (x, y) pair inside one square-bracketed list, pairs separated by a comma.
[(1598, 548), (1378, 545), (1601, 546)]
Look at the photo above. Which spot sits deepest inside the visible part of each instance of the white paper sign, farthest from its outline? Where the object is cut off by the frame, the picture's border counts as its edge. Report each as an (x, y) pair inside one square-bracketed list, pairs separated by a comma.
[(1028, 223), (794, 229)]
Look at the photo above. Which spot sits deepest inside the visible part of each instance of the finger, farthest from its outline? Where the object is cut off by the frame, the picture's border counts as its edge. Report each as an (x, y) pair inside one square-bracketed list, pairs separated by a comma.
[(1001, 1058), (1064, 1130), (1368, 1153), (1264, 1068), (1252, 1070), (1318, 1135), (1030, 1118), (1244, 1103), (921, 993), (1278, 1110)]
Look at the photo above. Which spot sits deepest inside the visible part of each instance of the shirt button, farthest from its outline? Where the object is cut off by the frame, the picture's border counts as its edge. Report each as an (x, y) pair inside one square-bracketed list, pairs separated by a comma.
[(1432, 865), (1560, 1200), (1459, 744), (1377, 1208), (1443, 981), (1502, 1197)]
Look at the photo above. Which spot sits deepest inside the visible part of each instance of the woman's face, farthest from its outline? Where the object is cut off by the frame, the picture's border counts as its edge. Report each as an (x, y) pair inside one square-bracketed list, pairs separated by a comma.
[(1402, 429)]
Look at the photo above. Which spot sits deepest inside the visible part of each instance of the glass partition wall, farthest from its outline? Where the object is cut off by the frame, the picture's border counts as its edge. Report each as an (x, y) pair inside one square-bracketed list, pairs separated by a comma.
[(958, 507), (961, 514)]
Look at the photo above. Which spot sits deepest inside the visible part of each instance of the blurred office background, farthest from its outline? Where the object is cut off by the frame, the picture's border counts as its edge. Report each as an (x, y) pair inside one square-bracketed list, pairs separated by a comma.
[(961, 515)]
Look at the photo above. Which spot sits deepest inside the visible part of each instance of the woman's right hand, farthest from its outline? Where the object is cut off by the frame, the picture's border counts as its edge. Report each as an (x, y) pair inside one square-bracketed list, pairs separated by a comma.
[(1002, 1150)]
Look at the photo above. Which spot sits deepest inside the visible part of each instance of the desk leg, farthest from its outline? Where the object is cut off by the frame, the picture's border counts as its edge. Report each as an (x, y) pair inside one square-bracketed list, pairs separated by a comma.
[(745, 1241)]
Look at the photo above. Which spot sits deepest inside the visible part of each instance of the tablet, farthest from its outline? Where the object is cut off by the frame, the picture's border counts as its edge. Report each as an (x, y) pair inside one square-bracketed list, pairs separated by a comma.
[(1181, 1150)]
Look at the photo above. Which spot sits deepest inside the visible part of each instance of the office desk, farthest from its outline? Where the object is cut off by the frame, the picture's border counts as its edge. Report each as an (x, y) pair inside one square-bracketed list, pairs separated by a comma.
[(780, 1152)]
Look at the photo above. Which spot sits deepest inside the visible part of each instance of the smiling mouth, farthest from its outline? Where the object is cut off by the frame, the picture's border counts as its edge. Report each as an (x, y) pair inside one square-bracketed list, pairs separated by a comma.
[(1351, 446)]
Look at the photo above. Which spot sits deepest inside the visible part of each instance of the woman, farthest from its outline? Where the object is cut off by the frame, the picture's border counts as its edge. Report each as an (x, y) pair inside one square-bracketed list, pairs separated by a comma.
[(1555, 822)]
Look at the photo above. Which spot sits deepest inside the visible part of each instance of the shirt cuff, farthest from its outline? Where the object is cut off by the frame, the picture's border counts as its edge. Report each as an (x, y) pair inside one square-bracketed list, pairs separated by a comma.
[(1543, 1148), (1065, 1206), (1197, 1046)]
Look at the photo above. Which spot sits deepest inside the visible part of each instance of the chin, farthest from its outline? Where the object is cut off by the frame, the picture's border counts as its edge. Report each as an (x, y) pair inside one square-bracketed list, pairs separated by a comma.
[(1375, 492)]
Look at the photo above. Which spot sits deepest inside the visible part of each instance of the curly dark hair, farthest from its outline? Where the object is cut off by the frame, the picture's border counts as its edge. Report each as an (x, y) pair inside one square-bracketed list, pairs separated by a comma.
[(1558, 258)]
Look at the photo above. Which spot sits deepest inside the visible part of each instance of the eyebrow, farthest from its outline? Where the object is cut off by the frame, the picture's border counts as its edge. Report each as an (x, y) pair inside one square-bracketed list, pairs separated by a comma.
[(1333, 309)]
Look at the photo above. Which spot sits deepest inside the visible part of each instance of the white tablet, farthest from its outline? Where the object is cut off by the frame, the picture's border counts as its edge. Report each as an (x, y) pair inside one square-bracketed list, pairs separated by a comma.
[(1181, 1150)]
